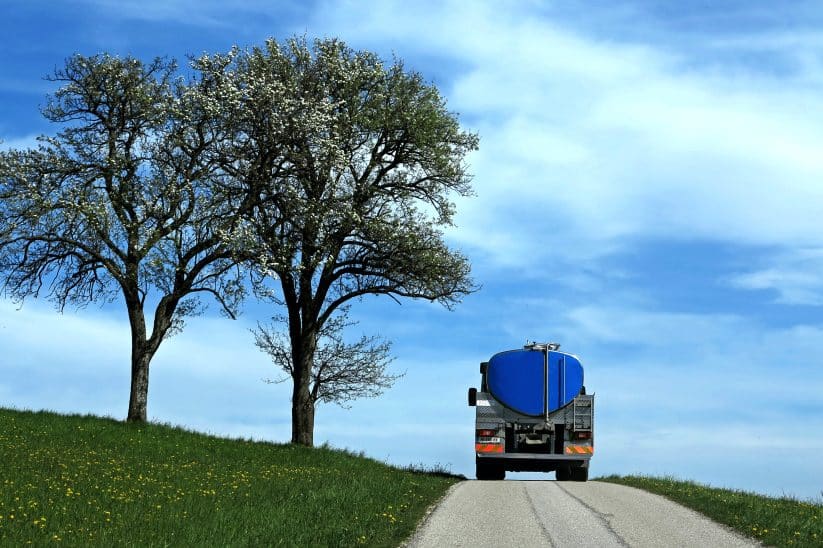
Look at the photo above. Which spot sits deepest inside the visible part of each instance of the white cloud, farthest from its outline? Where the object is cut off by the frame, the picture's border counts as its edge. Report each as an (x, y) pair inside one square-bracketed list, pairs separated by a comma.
[(793, 287), (587, 141), (794, 276)]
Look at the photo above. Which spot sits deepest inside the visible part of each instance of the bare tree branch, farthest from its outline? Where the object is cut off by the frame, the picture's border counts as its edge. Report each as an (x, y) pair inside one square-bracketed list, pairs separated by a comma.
[(341, 371)]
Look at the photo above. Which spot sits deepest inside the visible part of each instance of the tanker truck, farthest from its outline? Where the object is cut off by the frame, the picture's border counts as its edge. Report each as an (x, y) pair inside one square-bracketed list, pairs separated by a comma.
[(533, 414)]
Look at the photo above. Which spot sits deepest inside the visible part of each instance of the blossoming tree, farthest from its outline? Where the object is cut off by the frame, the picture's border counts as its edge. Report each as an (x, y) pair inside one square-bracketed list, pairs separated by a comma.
[(353, 165), (124, 200)]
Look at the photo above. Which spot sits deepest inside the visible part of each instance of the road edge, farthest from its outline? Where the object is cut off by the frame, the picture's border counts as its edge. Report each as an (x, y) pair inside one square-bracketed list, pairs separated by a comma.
[(730, 530), (412, 539)]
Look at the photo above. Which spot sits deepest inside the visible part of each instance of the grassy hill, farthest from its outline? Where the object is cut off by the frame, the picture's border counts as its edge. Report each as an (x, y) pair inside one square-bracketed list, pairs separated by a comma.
[(86, 480), (81, 480), (773, 521)]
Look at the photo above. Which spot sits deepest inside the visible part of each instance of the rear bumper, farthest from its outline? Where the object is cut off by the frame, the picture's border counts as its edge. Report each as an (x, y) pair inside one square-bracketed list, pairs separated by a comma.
[(532, 462)]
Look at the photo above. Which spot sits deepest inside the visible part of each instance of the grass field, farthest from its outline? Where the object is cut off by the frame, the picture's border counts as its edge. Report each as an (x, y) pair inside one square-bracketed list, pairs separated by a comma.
[(772, 521), (85, 480)]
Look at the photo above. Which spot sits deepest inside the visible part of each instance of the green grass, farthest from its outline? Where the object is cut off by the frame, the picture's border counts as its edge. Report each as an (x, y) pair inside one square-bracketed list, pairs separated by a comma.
[(85, 480), (773, 521)]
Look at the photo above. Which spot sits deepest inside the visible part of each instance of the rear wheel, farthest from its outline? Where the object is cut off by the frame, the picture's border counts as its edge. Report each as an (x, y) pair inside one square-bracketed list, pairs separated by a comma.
[(564, 473), (490, 472), (580, 473), (483, 471)]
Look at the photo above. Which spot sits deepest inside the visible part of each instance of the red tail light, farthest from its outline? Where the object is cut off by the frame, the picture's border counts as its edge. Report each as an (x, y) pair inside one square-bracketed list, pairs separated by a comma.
[(486, 433), (583, 435)]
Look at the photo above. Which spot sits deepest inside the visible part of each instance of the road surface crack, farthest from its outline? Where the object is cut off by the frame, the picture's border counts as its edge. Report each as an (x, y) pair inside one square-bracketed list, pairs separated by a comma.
[(604, 518), (545, 531)]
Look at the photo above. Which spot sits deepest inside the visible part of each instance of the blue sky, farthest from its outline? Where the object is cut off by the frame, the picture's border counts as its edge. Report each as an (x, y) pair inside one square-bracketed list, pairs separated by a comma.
[(649, 193)]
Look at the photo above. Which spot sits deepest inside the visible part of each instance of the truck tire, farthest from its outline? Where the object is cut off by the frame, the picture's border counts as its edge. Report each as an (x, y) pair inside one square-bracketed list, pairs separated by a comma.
[(485, 472), (580, 473), (482, 471), (564, 473)]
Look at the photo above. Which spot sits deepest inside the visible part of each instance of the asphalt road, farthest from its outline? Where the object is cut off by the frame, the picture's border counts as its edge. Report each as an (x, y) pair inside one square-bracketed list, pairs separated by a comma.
[(557, 514)]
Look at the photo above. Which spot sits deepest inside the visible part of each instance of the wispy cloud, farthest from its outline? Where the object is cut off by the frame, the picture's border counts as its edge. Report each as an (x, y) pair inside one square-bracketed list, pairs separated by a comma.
[(793, 276)]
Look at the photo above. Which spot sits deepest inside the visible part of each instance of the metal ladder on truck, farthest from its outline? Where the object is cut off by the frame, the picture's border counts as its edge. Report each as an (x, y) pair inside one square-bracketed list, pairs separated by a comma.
[(582, 413)]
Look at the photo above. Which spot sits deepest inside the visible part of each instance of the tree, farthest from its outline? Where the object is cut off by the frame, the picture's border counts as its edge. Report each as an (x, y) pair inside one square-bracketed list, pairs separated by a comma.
[(125, 200), (352, 165), (341, 371)]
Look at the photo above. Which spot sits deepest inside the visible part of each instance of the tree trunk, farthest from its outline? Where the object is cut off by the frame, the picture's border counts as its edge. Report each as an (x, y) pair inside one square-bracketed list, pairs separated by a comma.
[(142, 351), (139, 394), (302, 403), (140, 358), (302, 415), (144, 348)]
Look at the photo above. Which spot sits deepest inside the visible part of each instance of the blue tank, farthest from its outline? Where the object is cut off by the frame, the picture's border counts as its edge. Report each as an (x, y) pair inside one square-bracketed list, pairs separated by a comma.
[(523, 381)]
